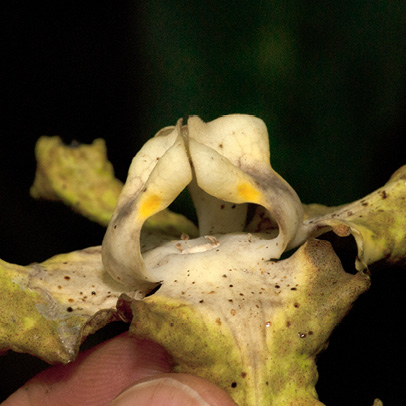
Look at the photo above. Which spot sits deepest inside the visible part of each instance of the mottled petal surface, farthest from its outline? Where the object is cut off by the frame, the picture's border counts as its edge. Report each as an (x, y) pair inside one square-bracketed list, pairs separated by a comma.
[(252, 326), (377, 222), (48, 309), (79, 175)]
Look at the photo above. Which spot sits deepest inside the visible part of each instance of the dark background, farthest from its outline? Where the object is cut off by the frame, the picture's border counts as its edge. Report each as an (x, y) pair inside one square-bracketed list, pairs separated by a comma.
[(329, 80)]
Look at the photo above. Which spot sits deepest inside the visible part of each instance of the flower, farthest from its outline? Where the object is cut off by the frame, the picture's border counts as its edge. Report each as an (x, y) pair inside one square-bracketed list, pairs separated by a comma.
[(219, 299), (225, 164)]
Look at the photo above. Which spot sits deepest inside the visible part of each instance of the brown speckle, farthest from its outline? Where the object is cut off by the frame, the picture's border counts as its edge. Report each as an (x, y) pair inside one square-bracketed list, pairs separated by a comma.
[(67, 278), (218, 321), (243, 374)]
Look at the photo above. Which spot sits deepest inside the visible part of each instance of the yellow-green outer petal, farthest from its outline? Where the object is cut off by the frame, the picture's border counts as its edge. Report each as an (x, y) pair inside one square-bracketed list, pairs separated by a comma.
[(254, 332), (22, 327), (80, 176), (48, 309), (377, 222)]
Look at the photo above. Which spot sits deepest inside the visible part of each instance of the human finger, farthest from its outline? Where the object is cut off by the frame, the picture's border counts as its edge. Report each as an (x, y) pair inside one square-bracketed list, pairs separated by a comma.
[(96, 377), (174, 390)]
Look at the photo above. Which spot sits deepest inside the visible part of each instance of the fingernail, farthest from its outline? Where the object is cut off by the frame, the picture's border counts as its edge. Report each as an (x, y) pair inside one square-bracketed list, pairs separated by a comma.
[(154, 392)]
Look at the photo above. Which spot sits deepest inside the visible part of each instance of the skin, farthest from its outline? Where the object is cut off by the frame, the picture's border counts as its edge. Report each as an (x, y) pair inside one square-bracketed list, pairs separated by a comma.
[(99, 375)]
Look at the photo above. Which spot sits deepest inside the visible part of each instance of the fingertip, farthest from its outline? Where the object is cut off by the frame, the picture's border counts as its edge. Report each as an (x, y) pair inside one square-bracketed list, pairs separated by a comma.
[(174, 389)]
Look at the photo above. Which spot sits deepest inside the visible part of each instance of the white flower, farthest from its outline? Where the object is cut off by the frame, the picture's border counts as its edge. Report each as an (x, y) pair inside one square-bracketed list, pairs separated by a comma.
[(226, 165)]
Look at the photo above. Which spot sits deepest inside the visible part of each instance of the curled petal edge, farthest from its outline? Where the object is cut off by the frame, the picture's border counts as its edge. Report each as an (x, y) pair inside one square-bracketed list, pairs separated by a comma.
[(231, 160), (153, 182)]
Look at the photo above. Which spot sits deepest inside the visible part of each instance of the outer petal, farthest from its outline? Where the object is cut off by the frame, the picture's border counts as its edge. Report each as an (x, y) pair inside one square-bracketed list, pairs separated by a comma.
[(252, 326), (158, 173), (80, 176), (230, 157), (48, 309), (377, 222)]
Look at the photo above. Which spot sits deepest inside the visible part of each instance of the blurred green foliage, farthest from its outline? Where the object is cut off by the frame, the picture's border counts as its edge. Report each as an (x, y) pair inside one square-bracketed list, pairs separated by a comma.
[(328, 78)]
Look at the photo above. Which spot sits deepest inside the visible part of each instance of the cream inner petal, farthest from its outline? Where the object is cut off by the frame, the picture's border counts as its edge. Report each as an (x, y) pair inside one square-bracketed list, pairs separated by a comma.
[(226, 165), (149, 189)]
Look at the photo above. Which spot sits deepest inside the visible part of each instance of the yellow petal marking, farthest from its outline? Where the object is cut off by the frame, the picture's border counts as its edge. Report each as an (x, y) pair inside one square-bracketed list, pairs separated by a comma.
[(247, 192), (151, 205)]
